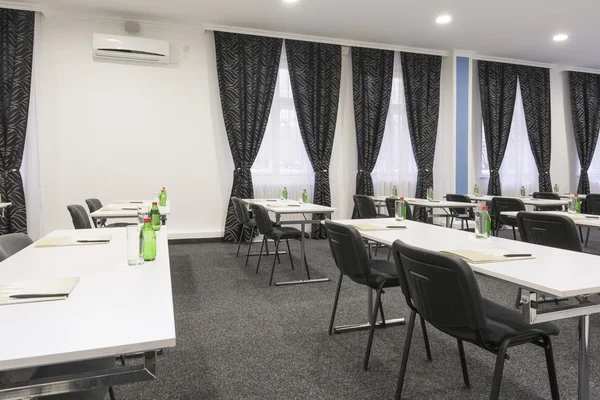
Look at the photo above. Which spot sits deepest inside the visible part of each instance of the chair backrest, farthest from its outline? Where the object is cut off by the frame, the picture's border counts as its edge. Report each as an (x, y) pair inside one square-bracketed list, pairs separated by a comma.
[(459, 198), (500, 204), (547, 196), (12, 243), (261, 216), (390, 203), (240, 210), (93, 204), (365, 206), (348, 249), (551, 230), (592, 204), (80, 217), (441, 287)]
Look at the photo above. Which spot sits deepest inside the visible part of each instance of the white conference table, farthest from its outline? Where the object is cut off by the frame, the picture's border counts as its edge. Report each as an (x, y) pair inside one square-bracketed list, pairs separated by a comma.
[(128, 209), (566, 195), (585, 220), (288, 207), (431, 205), (115, 309), (527, 201), (554, 272)]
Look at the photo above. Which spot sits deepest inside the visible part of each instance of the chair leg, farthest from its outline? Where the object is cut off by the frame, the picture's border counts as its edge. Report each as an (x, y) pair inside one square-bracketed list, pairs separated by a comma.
[(260, 254), (467, 222), (518, 301), (463, 363), (306, 266), (382, 315), (122, 358), (500, 357), (587, 237), (335, 303), (407, 341), (551, 368), (372, 329), (451, 222), (240, 241), (290, 252), (426, 339), (376, 248), (514, 233), (274, 259), (111, 393), (267, 246), (249, 245)]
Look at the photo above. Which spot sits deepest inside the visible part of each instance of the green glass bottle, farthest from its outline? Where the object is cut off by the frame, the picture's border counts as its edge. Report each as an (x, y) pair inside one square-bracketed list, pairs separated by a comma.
[(304, 196), (148, 241), (155, 216), (285, 193), (394, 191), (556, 188), (163, 197)]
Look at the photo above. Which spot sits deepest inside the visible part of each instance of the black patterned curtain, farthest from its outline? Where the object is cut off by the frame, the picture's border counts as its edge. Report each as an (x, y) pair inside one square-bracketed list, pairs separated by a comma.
[(535, 91), (247, 68), (422, 74), (315, 74), (372, 74), (16, 56), (498, 92), (585, 111)]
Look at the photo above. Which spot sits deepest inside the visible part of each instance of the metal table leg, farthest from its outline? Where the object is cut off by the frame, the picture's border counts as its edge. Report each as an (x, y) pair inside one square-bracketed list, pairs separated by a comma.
[(365, 326), (584, 358), (302, 262)]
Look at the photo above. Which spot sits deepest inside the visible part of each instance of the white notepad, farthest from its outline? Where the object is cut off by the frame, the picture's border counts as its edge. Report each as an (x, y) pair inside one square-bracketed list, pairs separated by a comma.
[(367, 227), (485, 256), (59, 241), (41, 290)]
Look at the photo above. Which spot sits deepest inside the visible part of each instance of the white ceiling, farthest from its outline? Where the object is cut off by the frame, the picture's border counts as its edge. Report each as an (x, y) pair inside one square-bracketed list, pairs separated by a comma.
[(519, 29)]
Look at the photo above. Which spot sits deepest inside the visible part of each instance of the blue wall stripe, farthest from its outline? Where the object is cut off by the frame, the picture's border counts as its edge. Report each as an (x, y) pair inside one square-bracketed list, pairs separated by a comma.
[(462, 124)]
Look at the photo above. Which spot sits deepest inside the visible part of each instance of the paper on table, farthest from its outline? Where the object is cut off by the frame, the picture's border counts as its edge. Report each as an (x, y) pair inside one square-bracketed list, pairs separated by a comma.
[(366, 227), (58, 241), (485, 256), (128, 202), (56, 289)]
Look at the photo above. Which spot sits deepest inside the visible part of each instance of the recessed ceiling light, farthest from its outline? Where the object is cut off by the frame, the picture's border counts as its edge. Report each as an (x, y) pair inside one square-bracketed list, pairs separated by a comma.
[(290, 1), (443, 19), (561, 37)]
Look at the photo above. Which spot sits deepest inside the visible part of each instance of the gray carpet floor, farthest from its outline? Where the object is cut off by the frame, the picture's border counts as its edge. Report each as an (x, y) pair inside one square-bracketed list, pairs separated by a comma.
[(238, 338)]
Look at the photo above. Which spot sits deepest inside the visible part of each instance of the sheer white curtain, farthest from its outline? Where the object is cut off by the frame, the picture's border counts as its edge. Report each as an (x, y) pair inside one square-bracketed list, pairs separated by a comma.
[(396, 162), (30, 167), (518, 167), (593, 171), (282, 159)]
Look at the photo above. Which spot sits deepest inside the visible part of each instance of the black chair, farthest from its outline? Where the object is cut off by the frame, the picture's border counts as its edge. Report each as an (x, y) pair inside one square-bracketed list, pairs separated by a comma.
[(501, 204), (390, 204), (12, 243), (80, 217), (94, 205), (243, 217), (547, 196), (365, 207), (551, 230), (351, 259), (444, 291), (277, 234), (465, 214), (592, 205)]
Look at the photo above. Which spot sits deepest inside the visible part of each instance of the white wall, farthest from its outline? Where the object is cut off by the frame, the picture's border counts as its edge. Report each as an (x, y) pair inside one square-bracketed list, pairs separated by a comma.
[(121, 131)]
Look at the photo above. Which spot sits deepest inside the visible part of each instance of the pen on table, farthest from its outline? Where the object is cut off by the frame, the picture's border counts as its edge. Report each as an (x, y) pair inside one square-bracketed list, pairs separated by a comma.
[(94, 241), (517, 255), (36, 295)]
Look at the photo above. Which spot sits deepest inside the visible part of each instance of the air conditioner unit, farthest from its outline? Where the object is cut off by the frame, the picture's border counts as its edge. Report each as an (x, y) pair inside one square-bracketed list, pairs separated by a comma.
[(129, 48)]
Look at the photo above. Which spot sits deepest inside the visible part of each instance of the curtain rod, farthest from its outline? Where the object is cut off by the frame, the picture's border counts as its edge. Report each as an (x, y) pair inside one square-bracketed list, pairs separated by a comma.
[(320, 39), (24, 6)]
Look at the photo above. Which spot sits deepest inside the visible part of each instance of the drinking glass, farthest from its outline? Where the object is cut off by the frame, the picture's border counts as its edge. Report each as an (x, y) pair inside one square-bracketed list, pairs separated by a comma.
[(400, 211), (134, 246)]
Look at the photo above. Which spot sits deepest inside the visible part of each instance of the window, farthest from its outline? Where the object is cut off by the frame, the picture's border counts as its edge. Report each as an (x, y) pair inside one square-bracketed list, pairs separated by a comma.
[(593, 171), (282, 159), (396, 163), (518, 166)]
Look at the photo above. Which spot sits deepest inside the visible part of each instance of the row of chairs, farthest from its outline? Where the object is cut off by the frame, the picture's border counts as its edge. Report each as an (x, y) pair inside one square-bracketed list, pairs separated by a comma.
[(443, 291), (260, 222)]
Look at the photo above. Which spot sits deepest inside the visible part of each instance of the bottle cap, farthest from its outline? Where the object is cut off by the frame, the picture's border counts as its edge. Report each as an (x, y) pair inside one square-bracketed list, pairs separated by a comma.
[(285, 187), (305, 190), (401, 198), (522, 187), (163, 189), (154, 203), (484, 208), (475, 184), (147, 220), (576, 195)]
